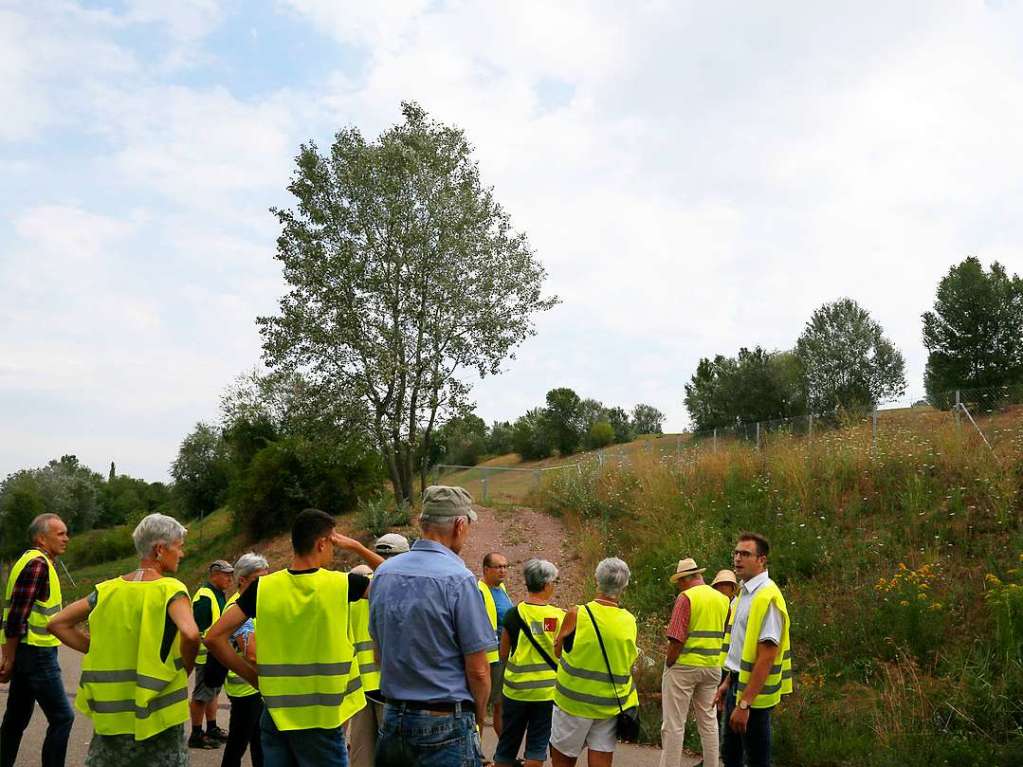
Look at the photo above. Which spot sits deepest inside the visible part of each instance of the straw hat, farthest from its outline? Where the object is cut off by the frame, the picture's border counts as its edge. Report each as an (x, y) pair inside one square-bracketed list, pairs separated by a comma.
[(724, 576), (686, 567)]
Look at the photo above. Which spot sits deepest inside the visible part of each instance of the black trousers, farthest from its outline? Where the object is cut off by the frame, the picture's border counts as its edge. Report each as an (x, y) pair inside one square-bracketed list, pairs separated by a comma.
[(243, 731)]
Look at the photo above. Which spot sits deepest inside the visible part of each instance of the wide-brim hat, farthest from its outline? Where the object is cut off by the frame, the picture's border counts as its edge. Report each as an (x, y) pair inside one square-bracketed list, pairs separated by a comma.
[(725, 576), (686, 567)]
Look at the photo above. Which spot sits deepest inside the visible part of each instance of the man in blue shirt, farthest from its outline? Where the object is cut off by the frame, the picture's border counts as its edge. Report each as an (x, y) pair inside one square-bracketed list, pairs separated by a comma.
[(432, 635)]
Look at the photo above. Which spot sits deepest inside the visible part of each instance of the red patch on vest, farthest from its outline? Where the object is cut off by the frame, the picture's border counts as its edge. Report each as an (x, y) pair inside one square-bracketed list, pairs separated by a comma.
[(550, 624)]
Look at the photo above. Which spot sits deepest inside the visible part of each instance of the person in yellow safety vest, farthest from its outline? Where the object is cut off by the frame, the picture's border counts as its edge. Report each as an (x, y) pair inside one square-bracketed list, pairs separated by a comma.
[(140, 648), (498, 603), (692, 664), (586, 696), (246, 703), (759, 660), (365, 724), (207, 605), (307, 673), (530, 672), (29, 652), (725, 582)]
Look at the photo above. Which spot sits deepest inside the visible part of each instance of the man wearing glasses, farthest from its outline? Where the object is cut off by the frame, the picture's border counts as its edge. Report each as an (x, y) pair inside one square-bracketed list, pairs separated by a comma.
[(497, 602), (759, 663)]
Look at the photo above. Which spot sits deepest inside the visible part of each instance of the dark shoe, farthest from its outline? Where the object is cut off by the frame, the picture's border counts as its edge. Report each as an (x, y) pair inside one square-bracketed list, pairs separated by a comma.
[(216, 733), (201, 740)]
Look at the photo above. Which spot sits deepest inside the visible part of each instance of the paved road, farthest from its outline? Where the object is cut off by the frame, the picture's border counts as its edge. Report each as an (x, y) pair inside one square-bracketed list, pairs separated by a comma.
[(70, 661)]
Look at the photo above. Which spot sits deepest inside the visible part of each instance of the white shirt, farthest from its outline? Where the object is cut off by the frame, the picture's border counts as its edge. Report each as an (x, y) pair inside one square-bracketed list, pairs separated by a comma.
[(770, 630)]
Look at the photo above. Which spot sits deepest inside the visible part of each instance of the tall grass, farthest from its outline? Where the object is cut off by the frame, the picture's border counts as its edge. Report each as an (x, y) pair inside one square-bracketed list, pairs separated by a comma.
[(906, 653)]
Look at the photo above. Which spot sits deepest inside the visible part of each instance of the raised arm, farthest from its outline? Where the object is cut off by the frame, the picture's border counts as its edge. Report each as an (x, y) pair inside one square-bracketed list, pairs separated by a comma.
[(350, 544)]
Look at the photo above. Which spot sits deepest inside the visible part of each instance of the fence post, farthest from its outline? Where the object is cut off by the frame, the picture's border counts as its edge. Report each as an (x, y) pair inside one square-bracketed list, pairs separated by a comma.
[(873, 428), (678, 447), (715, 440), (486, 495), (600, 458), (811, 427), (958, 411), (758, 435), (536, 478)]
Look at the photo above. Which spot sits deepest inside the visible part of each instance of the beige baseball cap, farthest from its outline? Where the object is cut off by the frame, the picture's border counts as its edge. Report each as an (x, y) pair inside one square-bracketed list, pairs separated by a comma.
[(446, 501)]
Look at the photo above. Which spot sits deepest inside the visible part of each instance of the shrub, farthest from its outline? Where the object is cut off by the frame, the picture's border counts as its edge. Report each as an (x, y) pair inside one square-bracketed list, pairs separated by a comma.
[(601, 435), (375, 516), (100, 546)]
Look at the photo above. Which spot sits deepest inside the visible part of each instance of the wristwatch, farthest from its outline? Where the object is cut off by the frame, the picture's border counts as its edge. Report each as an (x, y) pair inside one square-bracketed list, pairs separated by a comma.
[(743, 705)]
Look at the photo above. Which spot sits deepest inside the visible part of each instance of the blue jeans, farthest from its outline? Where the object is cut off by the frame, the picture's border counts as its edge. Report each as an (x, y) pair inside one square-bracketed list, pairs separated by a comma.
[(409, 738), (36, 679), (755, 745), (314, 747), (529, 718)]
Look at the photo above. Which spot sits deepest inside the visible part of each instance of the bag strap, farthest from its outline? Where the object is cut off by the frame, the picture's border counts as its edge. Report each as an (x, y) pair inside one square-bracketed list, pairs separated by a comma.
[(529, 635), (600, 641)]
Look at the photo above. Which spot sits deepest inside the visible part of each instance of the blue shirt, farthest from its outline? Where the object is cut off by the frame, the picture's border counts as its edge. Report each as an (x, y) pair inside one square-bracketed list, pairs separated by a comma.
[(503, 604), (425, 614)]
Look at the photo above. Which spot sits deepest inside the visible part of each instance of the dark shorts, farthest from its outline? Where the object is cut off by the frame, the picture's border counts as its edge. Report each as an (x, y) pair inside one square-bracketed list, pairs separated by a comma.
[(529, 718), (202, 692)]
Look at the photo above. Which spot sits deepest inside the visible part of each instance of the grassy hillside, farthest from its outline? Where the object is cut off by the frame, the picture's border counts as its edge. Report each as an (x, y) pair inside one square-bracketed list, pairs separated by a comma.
[(900, 561)]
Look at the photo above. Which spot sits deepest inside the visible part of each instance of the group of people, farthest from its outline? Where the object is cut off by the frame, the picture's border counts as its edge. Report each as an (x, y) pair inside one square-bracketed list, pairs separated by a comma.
[(394, 663)]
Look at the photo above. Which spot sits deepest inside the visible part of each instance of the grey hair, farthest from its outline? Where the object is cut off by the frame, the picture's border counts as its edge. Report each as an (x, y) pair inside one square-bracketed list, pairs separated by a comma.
[(612, 576), (248, 563), (40, 525), (538, 573), (440, 525), (154, 530)]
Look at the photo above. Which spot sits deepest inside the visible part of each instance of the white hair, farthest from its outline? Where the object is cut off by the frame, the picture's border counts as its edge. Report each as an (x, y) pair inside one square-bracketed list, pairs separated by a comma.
[(612, 576), (538, 573), (154, 530), (439, 525), (41, 526), (249, 563)]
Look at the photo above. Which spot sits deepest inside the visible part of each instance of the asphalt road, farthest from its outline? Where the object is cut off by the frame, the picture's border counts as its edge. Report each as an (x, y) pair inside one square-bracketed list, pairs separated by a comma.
[(70, 662)]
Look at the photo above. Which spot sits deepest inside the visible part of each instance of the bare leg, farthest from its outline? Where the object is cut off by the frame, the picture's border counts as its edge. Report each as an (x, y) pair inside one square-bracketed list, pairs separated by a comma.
[(558, 759), (599, 758), (211, 710)]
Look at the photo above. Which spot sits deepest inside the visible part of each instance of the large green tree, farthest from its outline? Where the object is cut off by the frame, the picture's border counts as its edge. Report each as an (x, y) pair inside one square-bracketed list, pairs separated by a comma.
[(646, 419), (404, 274), (201, 470), (564, 418), (974, 335), (847, 360)]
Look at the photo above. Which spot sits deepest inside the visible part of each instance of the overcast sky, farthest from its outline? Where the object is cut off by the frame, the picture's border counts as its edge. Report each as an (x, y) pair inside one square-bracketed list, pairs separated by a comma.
[(695, 177)]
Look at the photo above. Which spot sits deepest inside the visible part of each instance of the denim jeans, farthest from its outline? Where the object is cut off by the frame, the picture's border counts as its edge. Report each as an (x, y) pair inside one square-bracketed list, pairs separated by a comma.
[(755, 745), (36, 679), (410, 738), (314, 747)]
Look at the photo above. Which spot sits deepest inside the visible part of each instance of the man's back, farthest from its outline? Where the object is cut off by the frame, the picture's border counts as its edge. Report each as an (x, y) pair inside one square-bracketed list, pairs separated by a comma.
[(426, 614)]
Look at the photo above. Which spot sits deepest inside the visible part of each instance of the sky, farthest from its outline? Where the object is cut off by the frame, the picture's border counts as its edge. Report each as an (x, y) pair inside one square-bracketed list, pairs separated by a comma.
[(694, 176)]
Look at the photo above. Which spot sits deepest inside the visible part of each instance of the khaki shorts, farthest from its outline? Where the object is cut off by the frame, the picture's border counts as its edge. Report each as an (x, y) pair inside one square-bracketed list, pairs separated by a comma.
[(569, 734)]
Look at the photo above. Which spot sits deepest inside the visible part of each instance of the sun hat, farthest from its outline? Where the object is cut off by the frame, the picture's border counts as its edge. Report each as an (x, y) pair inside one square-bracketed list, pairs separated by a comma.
[(725, 576), (390, 544), (445, 501), (686, 567)]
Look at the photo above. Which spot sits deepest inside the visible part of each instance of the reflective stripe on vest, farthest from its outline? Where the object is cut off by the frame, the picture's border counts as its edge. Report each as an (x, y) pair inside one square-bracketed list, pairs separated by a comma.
[(707, 615), (206, 591), (125, 687), (493, 653), (308, 676), (527, 677), (779, 679), (41, 612), (364, 647), (583, 687), (728, 630), (234, 685)]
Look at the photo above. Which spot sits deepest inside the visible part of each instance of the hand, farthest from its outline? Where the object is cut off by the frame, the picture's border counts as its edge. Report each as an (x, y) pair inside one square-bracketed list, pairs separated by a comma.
[(343, 541), (738, 720), (7, 668), (719, 696)]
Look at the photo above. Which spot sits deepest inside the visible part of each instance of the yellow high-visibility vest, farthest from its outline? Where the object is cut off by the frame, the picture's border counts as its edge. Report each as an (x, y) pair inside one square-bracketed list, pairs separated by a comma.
[(779, 680), (707, 616), (308, 674), (41, 611), (493, 654), (206, 591), (527, 676), (583, 687), (728, 629), (234, 685), (125, 688), (369, 669)]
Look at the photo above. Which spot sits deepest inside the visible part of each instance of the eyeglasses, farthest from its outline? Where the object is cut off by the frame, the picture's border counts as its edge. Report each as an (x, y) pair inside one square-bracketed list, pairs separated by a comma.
[(743, 554)]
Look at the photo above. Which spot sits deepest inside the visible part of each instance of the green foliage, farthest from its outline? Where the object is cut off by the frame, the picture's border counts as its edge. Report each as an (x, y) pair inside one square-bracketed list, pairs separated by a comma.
[(500, 438), (847, 361), (531, 437), (646, 419), (403, 270), (974, 335), (601, 435), (20, 502), (563, 419), (100, 546), (753, 386), (201, 471), (621, 423), (376, 516), (463, 440)]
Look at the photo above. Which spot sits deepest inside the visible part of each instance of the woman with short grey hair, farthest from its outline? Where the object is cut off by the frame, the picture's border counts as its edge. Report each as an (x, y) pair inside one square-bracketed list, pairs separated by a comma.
[(139, 721), (589, 695), (527, 651)]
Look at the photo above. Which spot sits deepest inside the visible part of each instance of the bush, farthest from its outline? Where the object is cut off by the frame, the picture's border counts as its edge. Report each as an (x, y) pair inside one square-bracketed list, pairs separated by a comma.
[(100, 546), (601, 435), (375, 516)]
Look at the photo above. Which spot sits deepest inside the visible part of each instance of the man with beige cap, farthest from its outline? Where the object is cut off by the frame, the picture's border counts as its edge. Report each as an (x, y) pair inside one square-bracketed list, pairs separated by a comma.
[(692, 664)]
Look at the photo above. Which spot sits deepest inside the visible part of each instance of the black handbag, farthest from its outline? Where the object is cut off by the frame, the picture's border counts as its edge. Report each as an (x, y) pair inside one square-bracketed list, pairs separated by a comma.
[(627, 721)]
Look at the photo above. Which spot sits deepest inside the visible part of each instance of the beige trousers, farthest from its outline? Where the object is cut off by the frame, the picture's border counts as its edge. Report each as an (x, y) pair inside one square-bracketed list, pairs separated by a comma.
[(362, 734), (679, 686)]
